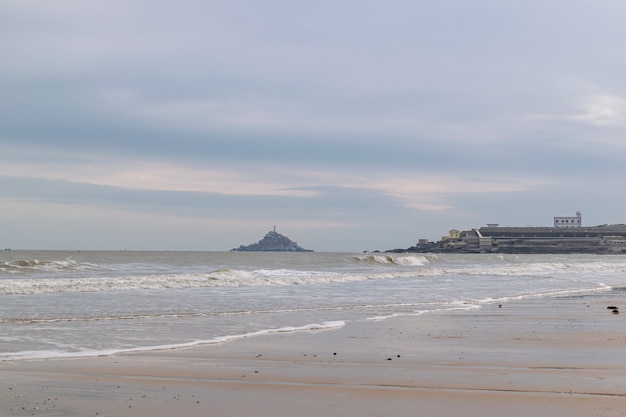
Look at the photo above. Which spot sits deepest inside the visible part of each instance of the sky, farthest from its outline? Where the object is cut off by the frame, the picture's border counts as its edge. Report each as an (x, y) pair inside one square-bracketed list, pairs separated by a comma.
[(349, 125)]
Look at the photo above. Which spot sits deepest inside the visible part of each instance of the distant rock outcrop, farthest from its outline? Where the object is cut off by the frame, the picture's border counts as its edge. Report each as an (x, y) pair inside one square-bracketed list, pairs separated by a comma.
[(272, 242)]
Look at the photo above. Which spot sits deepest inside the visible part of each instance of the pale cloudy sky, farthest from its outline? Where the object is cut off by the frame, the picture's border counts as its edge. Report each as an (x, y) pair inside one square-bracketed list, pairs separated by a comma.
[(349, 124)]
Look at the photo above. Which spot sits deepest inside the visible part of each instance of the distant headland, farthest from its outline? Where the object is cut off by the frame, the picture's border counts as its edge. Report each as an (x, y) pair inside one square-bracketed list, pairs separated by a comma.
[(272, 242), (568, 235)]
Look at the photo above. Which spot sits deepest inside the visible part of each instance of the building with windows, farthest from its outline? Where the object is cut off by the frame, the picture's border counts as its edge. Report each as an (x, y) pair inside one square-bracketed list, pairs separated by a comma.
[(454, 234), (565, 222)]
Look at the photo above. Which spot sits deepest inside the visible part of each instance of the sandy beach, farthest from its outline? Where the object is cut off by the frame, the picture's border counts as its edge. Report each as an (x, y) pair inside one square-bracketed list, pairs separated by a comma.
[(535, 357)]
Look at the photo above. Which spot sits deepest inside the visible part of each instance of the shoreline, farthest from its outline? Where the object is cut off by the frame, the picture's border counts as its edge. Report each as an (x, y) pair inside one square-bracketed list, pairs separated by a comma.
[(542, 356)]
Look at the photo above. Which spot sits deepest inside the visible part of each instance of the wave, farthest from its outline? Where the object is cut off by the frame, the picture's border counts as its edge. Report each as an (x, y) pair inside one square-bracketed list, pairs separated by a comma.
[(393, 267), (229, 278), (218, 278), (35, 265), (546, 268), (382, 259), (57, 354)]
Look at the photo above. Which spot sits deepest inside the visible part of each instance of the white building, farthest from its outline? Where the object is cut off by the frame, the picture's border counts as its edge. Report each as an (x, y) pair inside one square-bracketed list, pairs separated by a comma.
[(562, 222)]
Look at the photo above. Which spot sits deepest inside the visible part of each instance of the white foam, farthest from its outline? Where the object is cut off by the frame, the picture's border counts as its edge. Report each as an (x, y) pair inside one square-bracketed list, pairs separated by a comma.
[(58, 354), (35, 265), (560, 293), (385, 259), (220, 278), (421, 312), (399, 267), (545, 268)]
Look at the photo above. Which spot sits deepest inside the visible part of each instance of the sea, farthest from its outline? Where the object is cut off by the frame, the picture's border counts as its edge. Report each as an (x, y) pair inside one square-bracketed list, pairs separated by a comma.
[(56, 304)]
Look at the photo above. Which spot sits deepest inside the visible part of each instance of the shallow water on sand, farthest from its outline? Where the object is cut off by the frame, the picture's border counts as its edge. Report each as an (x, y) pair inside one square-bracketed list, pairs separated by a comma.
[(83, 303)]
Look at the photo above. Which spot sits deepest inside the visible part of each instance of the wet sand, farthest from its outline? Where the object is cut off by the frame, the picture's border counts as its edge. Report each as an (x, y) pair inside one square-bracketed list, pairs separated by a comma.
[(538, 357)]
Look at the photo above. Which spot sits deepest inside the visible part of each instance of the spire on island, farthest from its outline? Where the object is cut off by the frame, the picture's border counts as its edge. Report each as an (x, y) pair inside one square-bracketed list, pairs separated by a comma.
[(273, 242)]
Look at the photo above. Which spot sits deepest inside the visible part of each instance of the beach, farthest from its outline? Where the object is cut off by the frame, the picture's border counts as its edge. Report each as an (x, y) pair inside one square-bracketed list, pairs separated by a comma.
[(540, 356)]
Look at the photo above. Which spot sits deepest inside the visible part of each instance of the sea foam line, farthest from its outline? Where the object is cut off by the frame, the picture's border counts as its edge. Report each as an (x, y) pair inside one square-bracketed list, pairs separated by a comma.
[(477, 303), (546, 294), (422, 312), (51, 354)]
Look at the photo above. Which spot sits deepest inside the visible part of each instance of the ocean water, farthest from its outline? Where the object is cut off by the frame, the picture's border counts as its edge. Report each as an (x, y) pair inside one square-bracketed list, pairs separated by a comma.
[(87, 303)]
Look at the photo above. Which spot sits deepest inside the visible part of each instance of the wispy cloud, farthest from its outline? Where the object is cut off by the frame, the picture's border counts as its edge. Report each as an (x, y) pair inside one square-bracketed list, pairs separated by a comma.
[(377, 121)]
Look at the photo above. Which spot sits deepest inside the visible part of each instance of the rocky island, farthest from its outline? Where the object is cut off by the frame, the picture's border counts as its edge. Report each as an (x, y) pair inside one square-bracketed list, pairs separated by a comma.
[(272, 242)]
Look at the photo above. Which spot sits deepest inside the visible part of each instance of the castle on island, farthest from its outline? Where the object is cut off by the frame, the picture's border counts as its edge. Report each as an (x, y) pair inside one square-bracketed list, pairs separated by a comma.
[(272, 242), (567, 235)]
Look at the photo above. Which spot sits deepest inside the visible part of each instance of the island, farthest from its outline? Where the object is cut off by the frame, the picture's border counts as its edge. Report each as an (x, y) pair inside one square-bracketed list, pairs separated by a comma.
[(272, 242)]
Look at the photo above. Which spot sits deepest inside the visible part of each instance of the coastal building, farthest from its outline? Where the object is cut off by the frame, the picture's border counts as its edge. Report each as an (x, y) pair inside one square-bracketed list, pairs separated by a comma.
[(588, 239), (568, 235), (615, 243), (485, 243), (454, 234), (422, 242), (566, 222)]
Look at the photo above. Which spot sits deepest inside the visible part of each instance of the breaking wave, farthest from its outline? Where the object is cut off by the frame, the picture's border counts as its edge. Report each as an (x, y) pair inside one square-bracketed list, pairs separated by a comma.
[(71, 276), (384, 259), (34, 265), (219, 278)]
